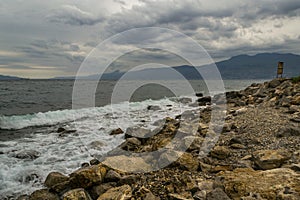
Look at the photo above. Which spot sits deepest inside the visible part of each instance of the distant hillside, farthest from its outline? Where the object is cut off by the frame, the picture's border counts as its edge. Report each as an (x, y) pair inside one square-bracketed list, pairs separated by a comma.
[(3, 77), (260, 66)]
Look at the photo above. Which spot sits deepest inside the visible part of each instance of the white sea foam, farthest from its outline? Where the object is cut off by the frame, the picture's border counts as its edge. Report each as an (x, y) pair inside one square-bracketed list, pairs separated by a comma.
[(65, 154)]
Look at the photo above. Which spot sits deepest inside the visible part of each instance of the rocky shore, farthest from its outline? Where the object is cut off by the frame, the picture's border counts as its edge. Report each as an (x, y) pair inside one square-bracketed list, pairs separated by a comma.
[(256, 156)]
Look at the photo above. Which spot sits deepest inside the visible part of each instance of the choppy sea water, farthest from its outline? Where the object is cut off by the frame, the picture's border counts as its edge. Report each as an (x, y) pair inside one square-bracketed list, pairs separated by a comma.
[(32, 111)]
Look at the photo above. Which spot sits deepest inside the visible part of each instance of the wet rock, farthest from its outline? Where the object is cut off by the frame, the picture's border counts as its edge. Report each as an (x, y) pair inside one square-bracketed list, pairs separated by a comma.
[(57, 181), (117, 131), (28, 155), (217, 194), (60, 129), (241, 182), (118, 193), (76, 194), (188, 162), (86, 177), (43, 194), (203, 101), (154, 108), (83, 165), (220, 152), (270, 159), (94, 161), (199, 94), (23, 197)]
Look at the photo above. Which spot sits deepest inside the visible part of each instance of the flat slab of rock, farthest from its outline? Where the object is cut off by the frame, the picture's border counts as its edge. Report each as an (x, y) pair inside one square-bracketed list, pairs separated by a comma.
[(128, 164), (270, 159), (43, 194), (268, 184)]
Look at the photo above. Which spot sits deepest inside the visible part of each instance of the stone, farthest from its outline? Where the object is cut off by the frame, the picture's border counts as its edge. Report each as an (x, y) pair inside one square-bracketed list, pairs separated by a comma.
[(296, 100), (57, 181), (94, 161), (200, 195), (97, 190), (97, 145), (188, 162), (270, 159), (131, 144), (289, 131), (43, 194), (137, 132), (117, 131), (217, 194), (76, 194), (60, 129), (203, 101), (181, 196), (274, 83), (28, 155), (150, 196), (129, 164), (88, 176), (220, 152), (112, 176), (243, 181), (153, 108), (123, 192)]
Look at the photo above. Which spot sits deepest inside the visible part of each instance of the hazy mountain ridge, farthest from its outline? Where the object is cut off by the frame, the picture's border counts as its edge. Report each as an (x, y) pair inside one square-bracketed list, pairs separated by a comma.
[(260, 66)]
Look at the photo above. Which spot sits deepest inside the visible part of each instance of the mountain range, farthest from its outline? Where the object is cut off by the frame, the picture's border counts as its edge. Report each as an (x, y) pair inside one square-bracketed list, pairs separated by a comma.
[(259, 66)]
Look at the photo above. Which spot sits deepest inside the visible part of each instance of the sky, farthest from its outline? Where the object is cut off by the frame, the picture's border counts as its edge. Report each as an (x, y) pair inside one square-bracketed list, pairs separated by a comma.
[(43, 39)]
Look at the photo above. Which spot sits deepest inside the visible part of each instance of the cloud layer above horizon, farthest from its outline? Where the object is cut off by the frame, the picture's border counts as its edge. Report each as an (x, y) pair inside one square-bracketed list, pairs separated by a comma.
[(43, 39)]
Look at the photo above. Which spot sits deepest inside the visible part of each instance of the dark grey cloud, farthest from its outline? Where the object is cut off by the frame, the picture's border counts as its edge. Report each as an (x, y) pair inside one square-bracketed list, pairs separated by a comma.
[(72, 15)]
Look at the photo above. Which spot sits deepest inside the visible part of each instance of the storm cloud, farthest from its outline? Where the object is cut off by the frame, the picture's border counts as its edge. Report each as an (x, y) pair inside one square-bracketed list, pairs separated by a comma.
[(62, 33)]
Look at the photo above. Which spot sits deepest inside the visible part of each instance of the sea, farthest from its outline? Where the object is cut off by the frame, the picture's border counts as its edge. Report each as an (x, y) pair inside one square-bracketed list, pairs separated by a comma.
[(32, 111)]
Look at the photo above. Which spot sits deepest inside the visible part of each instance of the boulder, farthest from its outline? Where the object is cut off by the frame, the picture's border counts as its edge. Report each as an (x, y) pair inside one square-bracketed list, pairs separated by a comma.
[(43, 194), (98, 190), (112, 176), (131, 144), (270, 159), (220, 152), (296, 100), (268, 184), (188, 162), (116, 131), (123, 192), (88, 176), (76, 194), (57, 181), (274, 83)]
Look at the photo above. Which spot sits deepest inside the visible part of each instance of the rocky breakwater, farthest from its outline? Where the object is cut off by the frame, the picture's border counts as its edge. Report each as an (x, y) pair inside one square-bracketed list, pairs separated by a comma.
[(257, 155)]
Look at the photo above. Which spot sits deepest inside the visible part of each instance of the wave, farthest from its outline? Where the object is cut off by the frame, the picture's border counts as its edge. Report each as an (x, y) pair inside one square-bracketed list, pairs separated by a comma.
[(50, 118)]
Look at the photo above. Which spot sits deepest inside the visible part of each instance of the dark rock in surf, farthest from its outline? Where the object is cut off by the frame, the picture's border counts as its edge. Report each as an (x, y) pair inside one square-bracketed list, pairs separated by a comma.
[(116, 131), (153, 108)]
